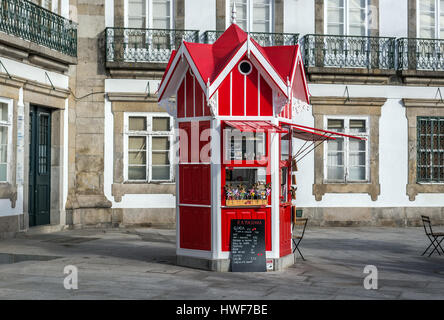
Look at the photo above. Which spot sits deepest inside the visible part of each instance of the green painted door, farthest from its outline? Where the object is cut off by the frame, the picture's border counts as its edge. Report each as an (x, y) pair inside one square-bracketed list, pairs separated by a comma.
[(39, 166)]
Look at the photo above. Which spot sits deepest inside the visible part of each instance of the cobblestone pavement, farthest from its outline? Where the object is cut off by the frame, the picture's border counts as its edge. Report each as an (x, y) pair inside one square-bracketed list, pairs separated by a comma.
[(140, 264)]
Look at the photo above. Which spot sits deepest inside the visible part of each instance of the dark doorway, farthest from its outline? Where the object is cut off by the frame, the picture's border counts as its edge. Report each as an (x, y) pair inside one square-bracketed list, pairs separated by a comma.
[(39, 165)]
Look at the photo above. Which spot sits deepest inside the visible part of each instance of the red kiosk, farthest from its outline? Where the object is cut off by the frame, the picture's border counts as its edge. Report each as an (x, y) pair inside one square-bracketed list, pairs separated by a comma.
[(235, 105)]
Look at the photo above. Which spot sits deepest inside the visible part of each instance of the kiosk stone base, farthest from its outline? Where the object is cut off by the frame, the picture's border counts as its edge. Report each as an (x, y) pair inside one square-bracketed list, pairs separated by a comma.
[(223, 265)]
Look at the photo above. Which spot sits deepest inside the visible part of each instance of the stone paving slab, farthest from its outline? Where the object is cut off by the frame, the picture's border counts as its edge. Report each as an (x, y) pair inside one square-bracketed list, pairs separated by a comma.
[(139, 263)]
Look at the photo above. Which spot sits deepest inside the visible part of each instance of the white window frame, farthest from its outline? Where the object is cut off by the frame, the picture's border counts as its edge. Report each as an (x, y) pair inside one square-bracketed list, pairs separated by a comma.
[(148, 14), (148, 134), (437, 19), (365, 135), (8, 124), (228, 14), (346, 17)]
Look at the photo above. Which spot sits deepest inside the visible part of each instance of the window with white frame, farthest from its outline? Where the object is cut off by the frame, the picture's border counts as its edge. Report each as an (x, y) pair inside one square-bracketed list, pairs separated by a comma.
[(148, 147), (5, 137), (347, 158), (431, 19), (149, 14), (51, 5), (346, 17), (252, 15)]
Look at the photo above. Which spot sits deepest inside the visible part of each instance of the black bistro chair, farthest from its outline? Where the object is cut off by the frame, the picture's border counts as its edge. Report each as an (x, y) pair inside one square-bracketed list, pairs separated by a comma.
[(298, 236), (435, 237)]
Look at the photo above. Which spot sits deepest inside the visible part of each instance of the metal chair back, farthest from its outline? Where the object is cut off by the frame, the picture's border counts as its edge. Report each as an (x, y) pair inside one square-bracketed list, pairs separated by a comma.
[(301, 222), (427, 225)]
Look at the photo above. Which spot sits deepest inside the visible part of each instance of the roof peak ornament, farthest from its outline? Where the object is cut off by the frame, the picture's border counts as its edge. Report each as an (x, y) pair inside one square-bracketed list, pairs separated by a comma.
[(233, 13)]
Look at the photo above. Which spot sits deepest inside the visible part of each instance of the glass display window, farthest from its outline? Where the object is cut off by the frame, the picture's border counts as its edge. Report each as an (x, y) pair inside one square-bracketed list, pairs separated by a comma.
[(246, 183), (244, 146)]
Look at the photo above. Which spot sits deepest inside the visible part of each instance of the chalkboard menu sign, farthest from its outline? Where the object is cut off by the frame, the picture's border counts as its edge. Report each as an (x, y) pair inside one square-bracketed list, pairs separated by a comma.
[(248, 245)]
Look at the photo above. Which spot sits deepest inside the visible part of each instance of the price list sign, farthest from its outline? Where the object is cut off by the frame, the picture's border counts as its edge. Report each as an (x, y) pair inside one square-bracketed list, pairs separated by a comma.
[(248, 245)]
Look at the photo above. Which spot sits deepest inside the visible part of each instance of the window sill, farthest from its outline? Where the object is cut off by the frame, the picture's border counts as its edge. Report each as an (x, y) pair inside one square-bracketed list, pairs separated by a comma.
[(372, 189), (413, 189), (121, 189)]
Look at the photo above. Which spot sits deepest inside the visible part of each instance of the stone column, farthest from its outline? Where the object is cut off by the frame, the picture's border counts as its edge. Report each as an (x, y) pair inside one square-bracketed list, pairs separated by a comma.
[(179, 14), (86, 200), (220, 14), (319, 30), (278, 17), (411, 31)]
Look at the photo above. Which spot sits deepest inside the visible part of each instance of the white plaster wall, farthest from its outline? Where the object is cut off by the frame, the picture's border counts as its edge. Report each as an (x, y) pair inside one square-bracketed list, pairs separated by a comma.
[(200, 15), (393, 151), (131, 85), (393, 18), (299, 16), (23, 70)]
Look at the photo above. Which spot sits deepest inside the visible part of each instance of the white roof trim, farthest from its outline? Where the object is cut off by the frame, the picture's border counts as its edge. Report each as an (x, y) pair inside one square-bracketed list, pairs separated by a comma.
[(171, 69)]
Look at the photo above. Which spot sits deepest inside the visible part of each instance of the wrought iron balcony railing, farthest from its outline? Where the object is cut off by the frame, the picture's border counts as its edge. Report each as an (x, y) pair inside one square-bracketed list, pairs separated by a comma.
[(265, 39), (31, 22), (349, 51), (145, 45), (420, 54)]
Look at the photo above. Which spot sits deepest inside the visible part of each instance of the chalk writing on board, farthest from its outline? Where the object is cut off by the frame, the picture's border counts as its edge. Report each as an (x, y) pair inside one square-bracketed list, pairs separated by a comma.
[(248, 245)]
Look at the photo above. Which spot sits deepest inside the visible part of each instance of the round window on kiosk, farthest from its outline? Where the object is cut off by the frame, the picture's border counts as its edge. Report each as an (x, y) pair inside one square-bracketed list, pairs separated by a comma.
[(245, 67)]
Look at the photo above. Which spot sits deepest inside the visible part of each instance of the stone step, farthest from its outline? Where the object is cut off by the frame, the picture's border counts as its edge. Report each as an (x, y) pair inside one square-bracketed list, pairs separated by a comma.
[(46, 229)]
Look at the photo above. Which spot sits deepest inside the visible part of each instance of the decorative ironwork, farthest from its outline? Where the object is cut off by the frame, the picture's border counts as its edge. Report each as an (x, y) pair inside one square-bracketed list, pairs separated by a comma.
[(430, 149), (349, 51), (145, 45), (420, 54), (265, 39), (31, 22)]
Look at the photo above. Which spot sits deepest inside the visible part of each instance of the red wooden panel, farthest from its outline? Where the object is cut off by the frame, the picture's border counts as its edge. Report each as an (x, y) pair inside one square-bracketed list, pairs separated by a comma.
[(195, 228), (181, 101), (205, 141), (195, 184), (285, 230), (189, 95), (247, 213), (237, 87), (298, 84), (195, 138), (252, 93), (198, 105), (224, 97), (184, 138), (266, 98), (184, 141)]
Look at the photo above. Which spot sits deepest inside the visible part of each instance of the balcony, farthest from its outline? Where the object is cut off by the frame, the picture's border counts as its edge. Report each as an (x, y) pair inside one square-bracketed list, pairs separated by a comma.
[(265, 39), (355, 59), (420, 54), (30, 22), (349, 51), (129, 45)]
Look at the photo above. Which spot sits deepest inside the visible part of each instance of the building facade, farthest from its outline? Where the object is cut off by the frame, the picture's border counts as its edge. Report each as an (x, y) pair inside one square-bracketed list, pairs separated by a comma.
[(84, 142)]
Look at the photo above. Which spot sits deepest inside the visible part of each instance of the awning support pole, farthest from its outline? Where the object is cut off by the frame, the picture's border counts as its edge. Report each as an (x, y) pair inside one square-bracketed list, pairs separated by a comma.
[(322, 141), (299, 151)]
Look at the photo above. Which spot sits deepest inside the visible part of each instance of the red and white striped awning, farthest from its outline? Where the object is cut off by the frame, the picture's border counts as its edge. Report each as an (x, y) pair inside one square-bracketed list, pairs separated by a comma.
[(252, 126)]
